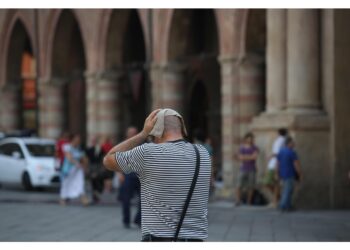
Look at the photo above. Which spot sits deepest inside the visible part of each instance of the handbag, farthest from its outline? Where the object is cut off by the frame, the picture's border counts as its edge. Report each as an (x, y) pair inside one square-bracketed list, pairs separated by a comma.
[(189, 195), (66, 167)]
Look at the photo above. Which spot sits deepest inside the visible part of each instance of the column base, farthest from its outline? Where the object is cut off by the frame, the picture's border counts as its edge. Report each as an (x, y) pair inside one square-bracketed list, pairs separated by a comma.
[(311, 132)]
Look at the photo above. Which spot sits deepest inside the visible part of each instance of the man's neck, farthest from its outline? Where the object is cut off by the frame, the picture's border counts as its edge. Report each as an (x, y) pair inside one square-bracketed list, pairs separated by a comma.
[(171, 137)]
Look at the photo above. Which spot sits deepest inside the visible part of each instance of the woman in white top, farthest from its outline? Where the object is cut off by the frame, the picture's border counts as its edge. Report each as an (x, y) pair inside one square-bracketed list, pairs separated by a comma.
[(270, 178), (72, 172)]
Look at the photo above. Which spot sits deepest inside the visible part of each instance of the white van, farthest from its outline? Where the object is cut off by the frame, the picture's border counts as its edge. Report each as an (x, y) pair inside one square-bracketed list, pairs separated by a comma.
[(29, 162)]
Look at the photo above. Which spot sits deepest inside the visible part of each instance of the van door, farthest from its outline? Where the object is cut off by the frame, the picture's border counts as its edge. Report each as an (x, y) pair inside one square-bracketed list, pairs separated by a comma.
[(12, 162)]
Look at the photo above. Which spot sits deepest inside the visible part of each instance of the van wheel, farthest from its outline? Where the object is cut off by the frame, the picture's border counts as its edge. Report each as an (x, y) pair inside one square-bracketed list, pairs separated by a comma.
[(26, 182)]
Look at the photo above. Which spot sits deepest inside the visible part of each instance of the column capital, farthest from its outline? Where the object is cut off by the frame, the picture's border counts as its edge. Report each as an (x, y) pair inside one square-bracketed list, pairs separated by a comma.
[(90, 75), (57, 81), (230, 59), (111, 75), (156, 65), (174, 66), (253, 59)]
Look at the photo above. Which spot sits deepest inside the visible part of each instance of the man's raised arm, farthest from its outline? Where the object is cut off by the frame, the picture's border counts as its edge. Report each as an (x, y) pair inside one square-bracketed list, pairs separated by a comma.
[(110, 162)]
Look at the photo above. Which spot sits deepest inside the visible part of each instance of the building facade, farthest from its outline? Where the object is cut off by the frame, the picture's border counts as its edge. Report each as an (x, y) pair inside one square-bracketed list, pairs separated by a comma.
[(227, 71)]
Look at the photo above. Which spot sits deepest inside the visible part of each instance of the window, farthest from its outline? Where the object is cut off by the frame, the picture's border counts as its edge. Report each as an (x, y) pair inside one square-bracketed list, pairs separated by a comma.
[(3, 149), (41, 150), (9, 148)]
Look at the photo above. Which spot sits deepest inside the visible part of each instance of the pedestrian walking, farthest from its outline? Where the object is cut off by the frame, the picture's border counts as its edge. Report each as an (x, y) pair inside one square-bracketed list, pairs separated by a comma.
[(130, 185), (271, 181), (174, 176), (72, 172), (95, 156), (248, 153), (289, 171)]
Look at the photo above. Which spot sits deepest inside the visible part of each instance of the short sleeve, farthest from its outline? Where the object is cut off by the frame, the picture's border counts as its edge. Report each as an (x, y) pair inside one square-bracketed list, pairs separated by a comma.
[(278, 144), (132, 160)]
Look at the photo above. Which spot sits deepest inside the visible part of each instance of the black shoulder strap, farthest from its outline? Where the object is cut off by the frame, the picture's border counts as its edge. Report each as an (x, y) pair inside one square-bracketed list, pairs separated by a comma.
[(189, 195)]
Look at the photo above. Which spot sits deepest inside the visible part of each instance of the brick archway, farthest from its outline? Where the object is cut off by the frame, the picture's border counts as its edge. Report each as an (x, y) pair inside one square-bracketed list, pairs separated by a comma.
[(11, 18), (48, 43), (191, 57), (168, 16), (63, 83), (104, 33), (252, 74), (18, 77), (123, 78)]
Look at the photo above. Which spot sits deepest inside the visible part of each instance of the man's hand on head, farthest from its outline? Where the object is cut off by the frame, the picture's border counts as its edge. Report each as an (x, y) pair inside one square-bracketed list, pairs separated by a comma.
[(109, 161), (150, 122)]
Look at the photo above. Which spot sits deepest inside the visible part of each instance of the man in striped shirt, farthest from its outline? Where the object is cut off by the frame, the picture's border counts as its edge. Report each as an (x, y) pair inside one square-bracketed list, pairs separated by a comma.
[(166, 169)]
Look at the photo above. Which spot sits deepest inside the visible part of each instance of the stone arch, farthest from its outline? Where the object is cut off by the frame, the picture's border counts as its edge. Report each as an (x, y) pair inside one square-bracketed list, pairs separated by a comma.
[(192, 57), (19, 92), (19, 42), (253, 66), (67, 76), (169, 31), (12, 17), (68, 51), (118, 18), (123, 79), (254, 28), (54, 17)]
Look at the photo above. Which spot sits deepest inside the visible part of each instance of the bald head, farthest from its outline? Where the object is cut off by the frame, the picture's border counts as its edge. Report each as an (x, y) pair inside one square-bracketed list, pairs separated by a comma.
[(131, 131), (172, 124)]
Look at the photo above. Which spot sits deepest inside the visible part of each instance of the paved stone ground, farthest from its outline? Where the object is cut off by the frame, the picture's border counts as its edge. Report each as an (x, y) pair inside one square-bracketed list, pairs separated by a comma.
[(36, 216)]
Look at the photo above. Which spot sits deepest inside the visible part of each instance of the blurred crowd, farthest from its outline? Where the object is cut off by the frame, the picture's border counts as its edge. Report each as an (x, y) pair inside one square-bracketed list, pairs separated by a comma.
[(77, 165), (282, 172)]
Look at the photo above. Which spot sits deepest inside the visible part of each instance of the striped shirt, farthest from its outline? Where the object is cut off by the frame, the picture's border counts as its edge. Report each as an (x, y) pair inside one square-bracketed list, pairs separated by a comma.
[(166, 171)]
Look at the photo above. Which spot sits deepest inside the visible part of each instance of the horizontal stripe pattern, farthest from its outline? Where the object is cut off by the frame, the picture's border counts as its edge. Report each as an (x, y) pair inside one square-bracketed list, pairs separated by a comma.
[(166, 171)]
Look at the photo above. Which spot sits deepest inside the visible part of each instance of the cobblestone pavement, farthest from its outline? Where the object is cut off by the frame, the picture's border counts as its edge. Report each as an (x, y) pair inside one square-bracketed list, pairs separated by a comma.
[(36, 216)]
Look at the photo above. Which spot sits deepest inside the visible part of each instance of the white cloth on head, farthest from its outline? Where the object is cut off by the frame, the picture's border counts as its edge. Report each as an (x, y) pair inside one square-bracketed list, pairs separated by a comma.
[(158, 128), (276, 147)]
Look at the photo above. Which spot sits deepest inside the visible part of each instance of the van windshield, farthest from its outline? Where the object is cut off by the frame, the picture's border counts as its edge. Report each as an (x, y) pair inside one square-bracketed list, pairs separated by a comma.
[(41, 150)]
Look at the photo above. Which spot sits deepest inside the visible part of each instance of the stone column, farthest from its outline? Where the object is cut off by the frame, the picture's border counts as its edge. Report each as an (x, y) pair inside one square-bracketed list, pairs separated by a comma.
[(276, 60), (229, 125), (10, 106), (306, 123), (303, 57), (250, 97), (91, 105), (156, 88), (174, 78), (110, 104), (52, 110)]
